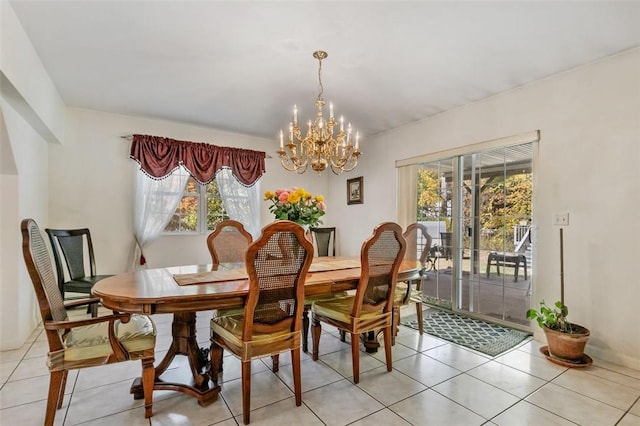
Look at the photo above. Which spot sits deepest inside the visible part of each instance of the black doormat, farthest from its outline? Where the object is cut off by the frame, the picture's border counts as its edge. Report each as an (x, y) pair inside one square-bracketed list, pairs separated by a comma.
[(490, 339)]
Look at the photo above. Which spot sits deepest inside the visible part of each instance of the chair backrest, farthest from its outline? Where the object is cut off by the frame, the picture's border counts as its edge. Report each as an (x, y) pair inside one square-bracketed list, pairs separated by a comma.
[(69, 244), (418, 242), (325, 239), (277, 264), (38, 262), (380, 259), (228, 242)]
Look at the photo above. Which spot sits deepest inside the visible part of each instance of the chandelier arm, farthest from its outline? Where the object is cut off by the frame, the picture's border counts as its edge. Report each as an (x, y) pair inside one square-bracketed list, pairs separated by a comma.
[(292, 166), (334, 153), (352, 162), (285, 166)]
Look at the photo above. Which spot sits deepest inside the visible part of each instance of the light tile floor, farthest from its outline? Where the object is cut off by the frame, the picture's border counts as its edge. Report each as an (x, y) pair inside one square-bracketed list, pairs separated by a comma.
[(433, 382)]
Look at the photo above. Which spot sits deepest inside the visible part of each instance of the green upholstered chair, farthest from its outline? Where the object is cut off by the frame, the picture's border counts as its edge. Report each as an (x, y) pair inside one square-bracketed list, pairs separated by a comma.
[(277, 264), (370, 309), (70, 248), (325, 241), (81, 343)]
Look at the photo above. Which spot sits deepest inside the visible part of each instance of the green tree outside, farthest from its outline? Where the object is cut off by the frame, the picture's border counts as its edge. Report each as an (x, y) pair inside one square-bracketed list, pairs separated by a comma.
[(505, 202), (185, 217)]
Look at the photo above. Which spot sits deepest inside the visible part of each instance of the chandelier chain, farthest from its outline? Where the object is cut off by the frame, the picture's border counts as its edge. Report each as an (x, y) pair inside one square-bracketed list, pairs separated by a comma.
[(321, 88)]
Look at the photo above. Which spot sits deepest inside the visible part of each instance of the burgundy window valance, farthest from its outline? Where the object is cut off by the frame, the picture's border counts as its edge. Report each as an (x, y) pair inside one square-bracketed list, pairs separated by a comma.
[(159, 157)]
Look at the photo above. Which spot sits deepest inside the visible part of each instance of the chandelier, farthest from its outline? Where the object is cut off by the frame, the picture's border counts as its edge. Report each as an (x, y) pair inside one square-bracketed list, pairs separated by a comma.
[(319, 148)]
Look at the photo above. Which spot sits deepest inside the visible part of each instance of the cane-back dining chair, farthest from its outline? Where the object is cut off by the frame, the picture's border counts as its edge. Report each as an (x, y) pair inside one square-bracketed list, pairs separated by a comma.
[(71, 247), (81, 343), (410, 291), (370, 309), (277, 264), (228, 242)]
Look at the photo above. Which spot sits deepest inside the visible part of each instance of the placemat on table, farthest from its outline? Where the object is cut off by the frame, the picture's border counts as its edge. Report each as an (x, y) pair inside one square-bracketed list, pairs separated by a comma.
[(241, 274), (335, 265), (210, 277)]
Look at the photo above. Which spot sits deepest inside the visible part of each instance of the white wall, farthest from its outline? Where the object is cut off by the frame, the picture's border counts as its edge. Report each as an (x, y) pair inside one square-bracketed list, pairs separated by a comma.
[(91, 185), (9, 238), (31, 113), (588, 165), (23, 195), (21, 68)]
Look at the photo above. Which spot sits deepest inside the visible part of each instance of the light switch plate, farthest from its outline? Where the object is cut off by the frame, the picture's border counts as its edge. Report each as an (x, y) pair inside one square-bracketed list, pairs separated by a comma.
[(561, 219)]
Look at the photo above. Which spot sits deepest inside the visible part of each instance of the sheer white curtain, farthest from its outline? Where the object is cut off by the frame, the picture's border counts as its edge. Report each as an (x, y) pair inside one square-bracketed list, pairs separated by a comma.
[(155, 202), (242, 203)]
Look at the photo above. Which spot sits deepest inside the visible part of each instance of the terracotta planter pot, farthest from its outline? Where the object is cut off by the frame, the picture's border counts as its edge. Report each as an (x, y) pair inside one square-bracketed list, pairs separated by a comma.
[(567, 346)]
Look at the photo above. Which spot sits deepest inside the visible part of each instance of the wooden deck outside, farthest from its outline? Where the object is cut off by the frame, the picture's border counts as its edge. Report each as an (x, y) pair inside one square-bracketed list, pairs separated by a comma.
[(498, 297)]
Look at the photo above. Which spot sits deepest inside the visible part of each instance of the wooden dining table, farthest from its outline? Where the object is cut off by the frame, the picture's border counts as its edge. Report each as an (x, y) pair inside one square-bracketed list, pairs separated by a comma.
[(184, 290)]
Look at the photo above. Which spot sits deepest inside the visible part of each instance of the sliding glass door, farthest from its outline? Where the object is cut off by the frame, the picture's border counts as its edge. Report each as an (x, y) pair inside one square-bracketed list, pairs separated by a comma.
[(435, 210), (494, 229), (478, 209)]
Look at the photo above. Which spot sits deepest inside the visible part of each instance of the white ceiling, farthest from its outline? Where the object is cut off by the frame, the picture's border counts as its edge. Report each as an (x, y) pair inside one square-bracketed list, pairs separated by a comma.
[(240, 66)]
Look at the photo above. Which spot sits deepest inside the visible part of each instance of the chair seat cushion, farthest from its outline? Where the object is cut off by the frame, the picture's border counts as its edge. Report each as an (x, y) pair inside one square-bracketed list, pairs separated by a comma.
[(340, 309), (401, 292), (83, 285), (308, 300), (92, 341), (225, 312), (91, 279), (230, 328)]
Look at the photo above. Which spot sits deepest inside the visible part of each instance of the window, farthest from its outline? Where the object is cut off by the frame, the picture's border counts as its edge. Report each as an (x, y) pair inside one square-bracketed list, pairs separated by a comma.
[(200, 209)]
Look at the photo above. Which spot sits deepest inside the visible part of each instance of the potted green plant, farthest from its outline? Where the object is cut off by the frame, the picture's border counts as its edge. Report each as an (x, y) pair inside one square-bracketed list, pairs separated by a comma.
[(566, 341)]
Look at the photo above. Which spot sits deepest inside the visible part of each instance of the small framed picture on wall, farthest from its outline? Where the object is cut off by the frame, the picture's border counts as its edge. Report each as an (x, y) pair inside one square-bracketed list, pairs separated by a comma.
[(355, 191)]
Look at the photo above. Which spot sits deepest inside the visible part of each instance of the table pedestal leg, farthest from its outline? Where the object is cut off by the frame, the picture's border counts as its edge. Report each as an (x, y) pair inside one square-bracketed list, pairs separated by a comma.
[(183, 330), (370, 341)]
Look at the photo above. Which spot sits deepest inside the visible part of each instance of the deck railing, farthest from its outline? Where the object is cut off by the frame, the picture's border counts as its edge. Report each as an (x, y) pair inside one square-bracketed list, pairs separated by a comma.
[(521, 235)]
